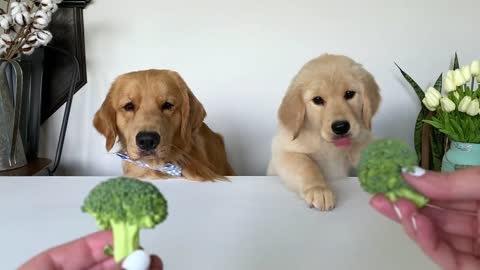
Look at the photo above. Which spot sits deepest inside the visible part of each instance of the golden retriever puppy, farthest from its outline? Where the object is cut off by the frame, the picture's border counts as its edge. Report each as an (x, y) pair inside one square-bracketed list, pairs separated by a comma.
[(324, 122), (158, 120)]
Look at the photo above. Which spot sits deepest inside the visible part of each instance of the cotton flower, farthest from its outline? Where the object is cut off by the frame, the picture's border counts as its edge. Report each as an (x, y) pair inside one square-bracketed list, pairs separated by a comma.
[(450, 84), (432, 98), (41, 19), (473, 108), (466, 100), (467, 75), (22, 18), (7, 39), (49, 5), (6, 21), (32, 40), (3, 47), (27, 49), (475, 68), (447, 104), (43, 37), (18, 7), (458, 78)]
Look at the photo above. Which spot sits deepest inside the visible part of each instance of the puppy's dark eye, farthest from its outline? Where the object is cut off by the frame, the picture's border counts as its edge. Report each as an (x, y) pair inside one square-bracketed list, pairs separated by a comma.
[(318, 100), (349, 94), (167, 106), (129, 107)]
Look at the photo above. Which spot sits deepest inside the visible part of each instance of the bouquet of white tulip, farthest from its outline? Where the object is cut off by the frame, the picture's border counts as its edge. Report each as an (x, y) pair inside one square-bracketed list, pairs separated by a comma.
[(458, 111), (451, 116), (23, 25)]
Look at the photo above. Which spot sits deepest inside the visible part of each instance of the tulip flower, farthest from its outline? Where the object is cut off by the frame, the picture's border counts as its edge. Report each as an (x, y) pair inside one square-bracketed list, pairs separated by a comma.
[(450, 74), (458, 78), (467, 74), (432, 98), (475, 68), (447, 104), (462, 107), (473, 108), (449, 84)]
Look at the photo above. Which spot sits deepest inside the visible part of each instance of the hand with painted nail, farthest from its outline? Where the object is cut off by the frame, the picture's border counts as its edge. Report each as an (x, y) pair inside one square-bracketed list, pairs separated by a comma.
[(447, 229), (87, 253)]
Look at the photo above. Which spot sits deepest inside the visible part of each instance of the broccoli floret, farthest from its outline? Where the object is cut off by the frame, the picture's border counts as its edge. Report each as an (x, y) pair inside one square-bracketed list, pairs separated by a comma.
[(380, 170), (125, 205)]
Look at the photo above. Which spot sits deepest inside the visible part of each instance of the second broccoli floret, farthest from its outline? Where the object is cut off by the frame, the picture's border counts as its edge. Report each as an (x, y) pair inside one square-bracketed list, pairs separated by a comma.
[(380, 170), (125, 205)]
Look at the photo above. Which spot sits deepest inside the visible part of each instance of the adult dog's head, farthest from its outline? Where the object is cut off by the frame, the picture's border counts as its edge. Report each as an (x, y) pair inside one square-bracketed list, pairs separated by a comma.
[(150, 112), (332, 96)]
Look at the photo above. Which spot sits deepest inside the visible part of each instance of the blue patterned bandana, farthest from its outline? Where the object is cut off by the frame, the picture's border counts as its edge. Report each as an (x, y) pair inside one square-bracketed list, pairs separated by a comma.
[(169, 168)]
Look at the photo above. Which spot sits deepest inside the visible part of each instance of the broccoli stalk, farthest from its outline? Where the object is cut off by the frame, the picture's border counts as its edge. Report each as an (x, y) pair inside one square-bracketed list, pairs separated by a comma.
[(380, 171), (125, 239), (125, 206)]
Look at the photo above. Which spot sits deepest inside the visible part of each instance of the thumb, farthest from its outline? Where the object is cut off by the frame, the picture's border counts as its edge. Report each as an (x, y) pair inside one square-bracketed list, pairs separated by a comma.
[(155, 263), (459, 185)]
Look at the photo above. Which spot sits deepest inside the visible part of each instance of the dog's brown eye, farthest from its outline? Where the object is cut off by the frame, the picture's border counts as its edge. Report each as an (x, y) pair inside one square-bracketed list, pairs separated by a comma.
[(167, 106), (129, 107), (318, 100), (349, 94)]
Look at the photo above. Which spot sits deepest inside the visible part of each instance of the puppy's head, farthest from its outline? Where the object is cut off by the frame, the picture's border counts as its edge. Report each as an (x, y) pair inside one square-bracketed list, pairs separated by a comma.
[(149, 112), (333, 96)]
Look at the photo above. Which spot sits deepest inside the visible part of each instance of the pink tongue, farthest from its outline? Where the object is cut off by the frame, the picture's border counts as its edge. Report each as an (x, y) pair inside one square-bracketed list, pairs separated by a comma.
[(343, 142)]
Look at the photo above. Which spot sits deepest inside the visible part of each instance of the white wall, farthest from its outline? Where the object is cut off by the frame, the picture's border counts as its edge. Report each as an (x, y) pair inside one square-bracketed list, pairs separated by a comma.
[(239, 57)]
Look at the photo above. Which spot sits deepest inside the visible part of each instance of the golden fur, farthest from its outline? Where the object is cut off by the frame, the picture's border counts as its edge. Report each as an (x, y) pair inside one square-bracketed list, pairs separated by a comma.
[(185, 139), (303, 153)]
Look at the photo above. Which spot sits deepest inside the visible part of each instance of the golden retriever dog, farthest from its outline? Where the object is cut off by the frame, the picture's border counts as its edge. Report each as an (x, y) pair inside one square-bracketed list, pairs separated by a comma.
[(324, 122), (157, 119)]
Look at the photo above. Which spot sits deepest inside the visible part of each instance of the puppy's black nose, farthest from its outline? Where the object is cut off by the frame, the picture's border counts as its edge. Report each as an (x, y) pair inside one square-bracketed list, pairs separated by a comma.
[(340, 127), (147, 140)]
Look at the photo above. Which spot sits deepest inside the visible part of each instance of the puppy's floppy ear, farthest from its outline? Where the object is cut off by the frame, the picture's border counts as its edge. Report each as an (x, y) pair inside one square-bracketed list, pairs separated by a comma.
[(291, 113), (105, 121), (371, 98), (192, 110)]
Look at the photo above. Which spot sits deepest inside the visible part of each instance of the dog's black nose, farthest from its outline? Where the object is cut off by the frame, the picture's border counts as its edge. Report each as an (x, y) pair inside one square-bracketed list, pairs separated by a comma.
[(341, 127), (147, 140)]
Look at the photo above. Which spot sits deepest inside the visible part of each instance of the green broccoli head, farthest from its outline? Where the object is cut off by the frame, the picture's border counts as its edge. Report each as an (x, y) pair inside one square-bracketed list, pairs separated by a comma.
[(380, 170), (125, 205)]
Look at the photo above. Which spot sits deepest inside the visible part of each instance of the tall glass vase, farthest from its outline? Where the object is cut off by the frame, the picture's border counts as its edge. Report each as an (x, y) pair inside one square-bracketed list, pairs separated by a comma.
[(12, 154)]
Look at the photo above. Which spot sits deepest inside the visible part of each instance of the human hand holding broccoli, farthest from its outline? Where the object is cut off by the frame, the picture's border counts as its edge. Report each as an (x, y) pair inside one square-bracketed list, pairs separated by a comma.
[(82, 253), (125, 205), (380, 171)]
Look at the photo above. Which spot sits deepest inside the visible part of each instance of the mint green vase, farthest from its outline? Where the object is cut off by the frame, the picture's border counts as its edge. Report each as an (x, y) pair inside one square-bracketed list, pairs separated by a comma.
[(461, 155)]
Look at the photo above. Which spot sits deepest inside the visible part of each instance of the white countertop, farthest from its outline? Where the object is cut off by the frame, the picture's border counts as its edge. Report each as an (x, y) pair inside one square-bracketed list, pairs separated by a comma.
[(248, 223)]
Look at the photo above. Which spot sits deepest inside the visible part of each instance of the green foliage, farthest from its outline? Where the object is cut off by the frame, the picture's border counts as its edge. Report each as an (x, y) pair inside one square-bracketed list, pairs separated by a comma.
[(458, 127), (125, 205), (380, 170), (437, 140)]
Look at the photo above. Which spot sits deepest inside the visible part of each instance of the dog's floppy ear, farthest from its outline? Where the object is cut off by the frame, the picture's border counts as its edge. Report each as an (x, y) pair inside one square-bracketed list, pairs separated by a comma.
[(192, 110), (371, 98), (291, 113), (105, 121)]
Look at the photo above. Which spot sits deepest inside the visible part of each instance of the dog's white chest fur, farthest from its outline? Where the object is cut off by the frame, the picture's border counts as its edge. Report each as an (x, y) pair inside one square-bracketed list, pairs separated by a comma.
[(334, 165)]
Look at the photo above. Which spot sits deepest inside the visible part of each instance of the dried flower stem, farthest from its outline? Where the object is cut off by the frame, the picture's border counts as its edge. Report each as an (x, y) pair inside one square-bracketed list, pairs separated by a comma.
[(20, 39), (17, 42)]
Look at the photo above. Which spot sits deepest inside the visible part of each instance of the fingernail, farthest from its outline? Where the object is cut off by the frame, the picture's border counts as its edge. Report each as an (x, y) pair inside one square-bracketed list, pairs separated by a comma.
[(397, 211), (417, 171), (414, 221)]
